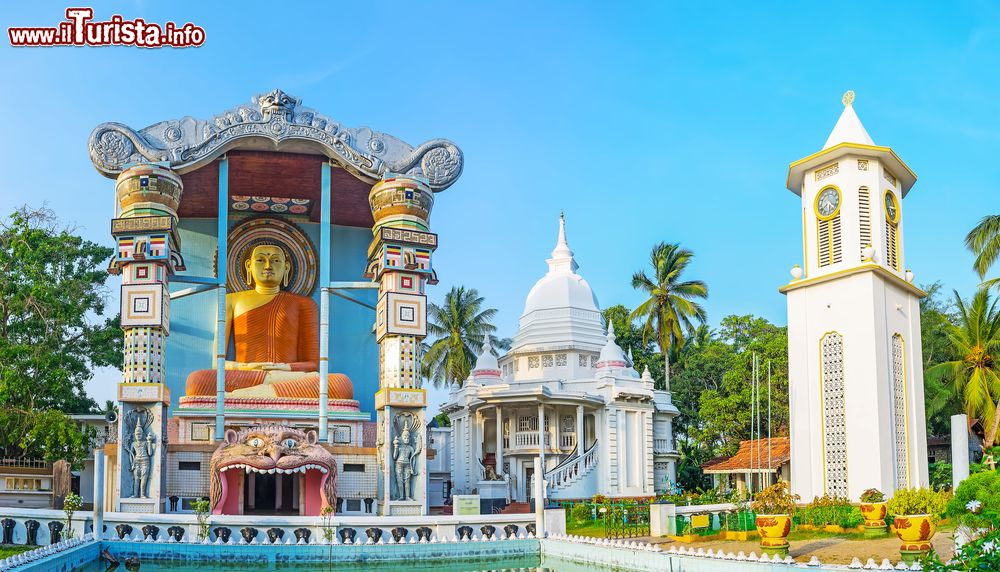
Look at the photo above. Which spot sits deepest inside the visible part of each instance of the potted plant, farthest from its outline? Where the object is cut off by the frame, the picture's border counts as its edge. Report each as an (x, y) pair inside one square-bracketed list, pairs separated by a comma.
[(774, 507), (873, 508), (916, 516)]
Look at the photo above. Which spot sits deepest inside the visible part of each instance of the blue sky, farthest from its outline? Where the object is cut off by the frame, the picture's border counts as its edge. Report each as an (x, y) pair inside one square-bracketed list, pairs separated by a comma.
[(645, 122)]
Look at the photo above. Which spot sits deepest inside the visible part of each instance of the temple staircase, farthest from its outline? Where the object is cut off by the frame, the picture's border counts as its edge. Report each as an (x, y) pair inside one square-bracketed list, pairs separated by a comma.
[(575, 477)]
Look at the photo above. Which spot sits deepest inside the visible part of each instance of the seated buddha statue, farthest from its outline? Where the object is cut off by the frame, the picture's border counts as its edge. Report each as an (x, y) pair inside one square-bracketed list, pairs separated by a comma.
[(276, 337)]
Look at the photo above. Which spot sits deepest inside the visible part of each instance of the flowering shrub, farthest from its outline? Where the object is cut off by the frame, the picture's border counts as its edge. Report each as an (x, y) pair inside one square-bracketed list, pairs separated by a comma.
[(981, 554), (918, 501), (830, 510), (580, 513), (775, 499), (71, 504), (976, 503), (872, 495), (701, 496)]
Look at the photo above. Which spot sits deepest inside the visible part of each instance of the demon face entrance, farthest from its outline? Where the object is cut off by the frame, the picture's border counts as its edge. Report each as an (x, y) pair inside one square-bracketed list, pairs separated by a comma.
[(272, 470)]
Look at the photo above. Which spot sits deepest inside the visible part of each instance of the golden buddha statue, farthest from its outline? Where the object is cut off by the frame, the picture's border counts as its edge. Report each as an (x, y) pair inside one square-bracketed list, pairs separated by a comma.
[(276, 336)]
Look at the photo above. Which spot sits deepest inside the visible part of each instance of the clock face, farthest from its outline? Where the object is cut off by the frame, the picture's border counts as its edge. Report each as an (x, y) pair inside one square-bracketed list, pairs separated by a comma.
[(829, 200), (891, 210)]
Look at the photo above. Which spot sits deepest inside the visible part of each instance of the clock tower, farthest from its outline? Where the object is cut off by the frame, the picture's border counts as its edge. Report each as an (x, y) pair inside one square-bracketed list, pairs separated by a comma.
[(854, 356)]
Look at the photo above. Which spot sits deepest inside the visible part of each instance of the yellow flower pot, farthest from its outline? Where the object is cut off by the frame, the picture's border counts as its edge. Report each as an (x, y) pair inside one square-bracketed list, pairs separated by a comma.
[(874, 513), (915, 532), (773, 530)]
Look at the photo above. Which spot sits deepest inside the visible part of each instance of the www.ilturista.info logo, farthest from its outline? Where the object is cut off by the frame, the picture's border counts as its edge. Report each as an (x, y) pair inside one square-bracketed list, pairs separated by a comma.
[(79, 30)]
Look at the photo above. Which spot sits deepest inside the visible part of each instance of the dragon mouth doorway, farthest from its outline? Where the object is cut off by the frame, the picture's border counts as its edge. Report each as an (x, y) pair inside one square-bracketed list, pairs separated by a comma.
[(265, 455)]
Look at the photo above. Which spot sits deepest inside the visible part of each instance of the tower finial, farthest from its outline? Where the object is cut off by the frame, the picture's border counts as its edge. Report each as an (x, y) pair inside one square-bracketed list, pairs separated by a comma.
[(848, 98)]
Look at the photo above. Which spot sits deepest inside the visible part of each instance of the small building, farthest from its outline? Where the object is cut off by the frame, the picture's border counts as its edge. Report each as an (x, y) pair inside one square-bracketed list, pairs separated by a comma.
[(565, 392), (438, 465), (757, 464)]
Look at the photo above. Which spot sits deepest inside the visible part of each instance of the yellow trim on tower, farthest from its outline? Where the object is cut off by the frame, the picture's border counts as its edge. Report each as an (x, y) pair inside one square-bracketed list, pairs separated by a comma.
[(853, 146), (866, 267)]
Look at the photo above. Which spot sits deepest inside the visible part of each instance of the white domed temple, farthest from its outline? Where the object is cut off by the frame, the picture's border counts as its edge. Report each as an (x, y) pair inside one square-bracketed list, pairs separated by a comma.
[(566, 392)]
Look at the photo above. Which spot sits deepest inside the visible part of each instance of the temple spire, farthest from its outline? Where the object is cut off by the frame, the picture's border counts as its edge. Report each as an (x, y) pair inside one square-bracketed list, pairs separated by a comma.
[(848, 128), (562, 260)]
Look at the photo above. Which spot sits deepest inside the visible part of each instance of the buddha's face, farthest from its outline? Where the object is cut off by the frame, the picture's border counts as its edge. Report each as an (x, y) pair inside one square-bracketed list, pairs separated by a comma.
[(268, 267)]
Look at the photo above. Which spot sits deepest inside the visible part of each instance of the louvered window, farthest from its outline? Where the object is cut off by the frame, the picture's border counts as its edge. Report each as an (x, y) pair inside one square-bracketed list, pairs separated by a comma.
[(865, 218), (829, 241), (892, 245)]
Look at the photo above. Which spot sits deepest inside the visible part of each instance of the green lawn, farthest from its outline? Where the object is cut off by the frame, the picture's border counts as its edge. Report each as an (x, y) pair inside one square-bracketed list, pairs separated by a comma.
[(593, 529), (8, 550)]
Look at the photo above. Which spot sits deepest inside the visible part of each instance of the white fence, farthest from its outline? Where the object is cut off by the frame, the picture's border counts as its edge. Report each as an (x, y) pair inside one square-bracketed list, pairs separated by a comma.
[(442, 527)]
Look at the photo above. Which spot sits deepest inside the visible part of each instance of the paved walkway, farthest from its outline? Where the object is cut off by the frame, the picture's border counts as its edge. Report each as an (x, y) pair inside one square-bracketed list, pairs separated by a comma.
[(829, 550)]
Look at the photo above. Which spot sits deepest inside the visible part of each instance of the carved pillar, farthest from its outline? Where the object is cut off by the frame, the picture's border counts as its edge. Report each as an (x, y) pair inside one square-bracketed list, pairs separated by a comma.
[(147, 253), (399, 259)]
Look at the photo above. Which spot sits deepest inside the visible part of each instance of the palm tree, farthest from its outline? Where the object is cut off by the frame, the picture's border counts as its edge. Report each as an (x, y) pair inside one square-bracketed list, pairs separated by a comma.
[(110, 406), (671, 304), (984, 241), (459, 325), (976, 375)]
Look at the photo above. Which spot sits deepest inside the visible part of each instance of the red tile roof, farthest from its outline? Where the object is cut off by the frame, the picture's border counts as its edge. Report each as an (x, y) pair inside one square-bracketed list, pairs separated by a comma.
[(746, 458)]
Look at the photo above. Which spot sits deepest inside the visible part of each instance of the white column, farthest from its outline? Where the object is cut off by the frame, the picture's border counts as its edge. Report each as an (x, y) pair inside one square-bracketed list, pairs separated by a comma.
[(473, 464), (480, 444), (324, 298), (557, 429), (499, 453), (580, 437), (539, 493), (98, 493), (541, 437), (959, 449)]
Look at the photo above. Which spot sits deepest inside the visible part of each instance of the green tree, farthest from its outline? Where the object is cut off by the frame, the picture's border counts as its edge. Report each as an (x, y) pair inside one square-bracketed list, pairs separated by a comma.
[(701, 368), (46, 435), (459, 325), (52, 335), (725, 414), (671, 304), (984, 241), (51, 288), (941, 401), (976, 373)]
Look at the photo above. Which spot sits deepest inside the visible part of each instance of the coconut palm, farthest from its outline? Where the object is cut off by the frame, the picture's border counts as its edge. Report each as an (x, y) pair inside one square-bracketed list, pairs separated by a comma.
[(984, 241), (976, 375), (110, 406), (671, 304), (459, 325)]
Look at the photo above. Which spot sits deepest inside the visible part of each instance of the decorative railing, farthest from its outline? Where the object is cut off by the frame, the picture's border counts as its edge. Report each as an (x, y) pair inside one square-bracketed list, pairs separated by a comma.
[(24, 464), (567, 440), (530, 439), (661, 446), (569, 472)]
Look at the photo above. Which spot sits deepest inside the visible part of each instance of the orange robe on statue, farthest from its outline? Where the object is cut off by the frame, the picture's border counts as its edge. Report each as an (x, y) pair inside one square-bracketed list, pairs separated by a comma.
[(285, 330)]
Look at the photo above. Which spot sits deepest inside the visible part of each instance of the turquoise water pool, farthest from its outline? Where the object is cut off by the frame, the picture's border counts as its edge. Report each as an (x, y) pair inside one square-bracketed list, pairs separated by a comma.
[(528, 563)]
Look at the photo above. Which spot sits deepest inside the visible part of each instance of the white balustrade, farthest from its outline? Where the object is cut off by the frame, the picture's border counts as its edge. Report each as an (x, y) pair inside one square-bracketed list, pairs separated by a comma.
[(567, 473)]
